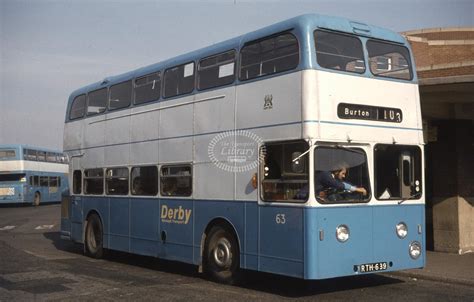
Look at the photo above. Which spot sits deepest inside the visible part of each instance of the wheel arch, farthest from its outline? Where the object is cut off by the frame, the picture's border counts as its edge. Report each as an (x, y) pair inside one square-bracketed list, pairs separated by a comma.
[(224, 222), (34, 198), (86, 221)]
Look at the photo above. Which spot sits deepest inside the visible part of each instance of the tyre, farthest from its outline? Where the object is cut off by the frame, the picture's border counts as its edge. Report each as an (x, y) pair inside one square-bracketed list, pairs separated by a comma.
[(37, 199), (221, 256), (94, 237)]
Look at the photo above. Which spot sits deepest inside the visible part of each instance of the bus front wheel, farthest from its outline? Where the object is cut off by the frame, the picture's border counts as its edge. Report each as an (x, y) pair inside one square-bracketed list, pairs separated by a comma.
[(37, 199), (94, 237), (221, 255)]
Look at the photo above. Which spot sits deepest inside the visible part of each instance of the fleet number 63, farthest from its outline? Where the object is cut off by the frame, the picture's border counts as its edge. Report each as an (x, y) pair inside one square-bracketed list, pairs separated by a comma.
[(280, 219)]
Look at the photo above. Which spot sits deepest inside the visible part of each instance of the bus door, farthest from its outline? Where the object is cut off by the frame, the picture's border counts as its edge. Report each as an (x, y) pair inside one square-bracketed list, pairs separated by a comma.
[(76, 201), (54, 188), (43, 188), (284, 188)]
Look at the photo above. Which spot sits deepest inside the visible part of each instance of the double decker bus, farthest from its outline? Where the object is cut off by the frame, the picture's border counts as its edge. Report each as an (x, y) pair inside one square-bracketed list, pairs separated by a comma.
[(296, 149), (32, 175)]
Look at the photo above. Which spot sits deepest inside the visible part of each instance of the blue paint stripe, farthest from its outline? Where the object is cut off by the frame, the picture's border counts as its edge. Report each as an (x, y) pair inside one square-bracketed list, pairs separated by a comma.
[(361, 125)]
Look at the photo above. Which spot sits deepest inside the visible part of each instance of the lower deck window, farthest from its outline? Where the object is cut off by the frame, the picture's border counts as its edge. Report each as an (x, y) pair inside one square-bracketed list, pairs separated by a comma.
[(77, 182), (285, 172), (54, 181), (176, 180), (117, 181), (11, 177), (397, 172), (341, 175), (94, 181), (144, 180), (43, 181)]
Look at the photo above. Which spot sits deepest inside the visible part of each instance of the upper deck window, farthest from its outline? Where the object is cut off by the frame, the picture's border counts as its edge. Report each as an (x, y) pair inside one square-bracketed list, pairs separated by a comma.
[(339, 52), (389, 60), (78, 107), (268, 56), (217, 70), (29, 154), (51, 157), (148, 88), (41, 156), (7, 153), (179, 80), (97, 101), (120, 95)]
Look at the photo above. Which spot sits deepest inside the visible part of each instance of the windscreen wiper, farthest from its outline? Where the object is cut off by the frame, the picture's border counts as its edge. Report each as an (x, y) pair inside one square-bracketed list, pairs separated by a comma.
[(301, 155), (410, 197)]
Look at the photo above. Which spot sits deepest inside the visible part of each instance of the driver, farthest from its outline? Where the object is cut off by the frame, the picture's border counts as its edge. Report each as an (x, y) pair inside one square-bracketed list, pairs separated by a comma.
[(334, 181)]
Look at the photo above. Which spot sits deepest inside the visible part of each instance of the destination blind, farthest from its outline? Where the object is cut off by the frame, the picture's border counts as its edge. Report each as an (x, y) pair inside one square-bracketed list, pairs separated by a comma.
[(373, 113)]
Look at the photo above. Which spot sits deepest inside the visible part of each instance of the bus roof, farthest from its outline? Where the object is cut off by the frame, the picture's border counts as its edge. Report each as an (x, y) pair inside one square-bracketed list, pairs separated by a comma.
[(305, 24)]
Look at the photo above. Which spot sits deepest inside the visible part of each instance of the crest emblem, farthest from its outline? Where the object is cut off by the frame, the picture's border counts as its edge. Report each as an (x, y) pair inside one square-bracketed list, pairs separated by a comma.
[(268, 102)]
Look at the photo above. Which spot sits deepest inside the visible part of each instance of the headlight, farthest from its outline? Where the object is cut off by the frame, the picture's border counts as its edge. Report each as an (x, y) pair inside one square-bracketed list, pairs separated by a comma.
[(342, 233), (415, 249), (402, 230)]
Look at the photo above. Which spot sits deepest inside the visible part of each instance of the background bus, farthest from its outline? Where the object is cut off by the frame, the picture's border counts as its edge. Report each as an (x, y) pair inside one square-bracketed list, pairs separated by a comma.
[(31, 175), (214, 157)]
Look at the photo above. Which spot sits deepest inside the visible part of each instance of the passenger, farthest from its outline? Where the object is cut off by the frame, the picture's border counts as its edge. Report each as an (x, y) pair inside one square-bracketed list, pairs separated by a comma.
[(302, 193), (137, 186), (332, 182), (170, 187)]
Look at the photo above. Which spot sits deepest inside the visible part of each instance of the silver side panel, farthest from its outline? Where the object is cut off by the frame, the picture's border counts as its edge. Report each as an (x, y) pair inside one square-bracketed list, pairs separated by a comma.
[(214, 111), (144, 134), (211, 182), (176, 130), (73, 135), (117, 138), (270, 102)]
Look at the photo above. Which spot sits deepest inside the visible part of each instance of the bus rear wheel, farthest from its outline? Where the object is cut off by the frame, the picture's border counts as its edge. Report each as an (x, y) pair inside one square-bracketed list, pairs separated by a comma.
[(221, 255), (94, 237), (37, 199)]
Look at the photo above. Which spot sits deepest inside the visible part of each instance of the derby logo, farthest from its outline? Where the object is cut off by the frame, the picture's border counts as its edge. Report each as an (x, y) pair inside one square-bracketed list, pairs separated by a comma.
[(175, 215)]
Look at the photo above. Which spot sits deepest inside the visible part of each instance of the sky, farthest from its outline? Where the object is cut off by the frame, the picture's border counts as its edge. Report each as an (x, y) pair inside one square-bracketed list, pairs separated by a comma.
[(50, 48)]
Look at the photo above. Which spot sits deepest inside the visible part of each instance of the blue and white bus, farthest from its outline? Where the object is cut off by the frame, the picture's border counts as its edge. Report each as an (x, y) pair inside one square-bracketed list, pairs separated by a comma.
[(32, 175), (222, 157)]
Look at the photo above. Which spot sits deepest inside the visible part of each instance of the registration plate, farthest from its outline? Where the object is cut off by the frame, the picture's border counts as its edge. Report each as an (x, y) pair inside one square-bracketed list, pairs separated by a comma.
[(372, 267)]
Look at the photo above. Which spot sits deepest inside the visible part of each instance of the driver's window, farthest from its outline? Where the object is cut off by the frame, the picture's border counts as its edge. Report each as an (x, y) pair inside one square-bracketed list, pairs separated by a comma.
[(284, 172), (341, 175)]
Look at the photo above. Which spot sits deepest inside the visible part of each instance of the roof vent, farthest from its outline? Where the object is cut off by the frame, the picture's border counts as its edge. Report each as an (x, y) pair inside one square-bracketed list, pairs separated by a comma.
[(360, 28), (104, 81)]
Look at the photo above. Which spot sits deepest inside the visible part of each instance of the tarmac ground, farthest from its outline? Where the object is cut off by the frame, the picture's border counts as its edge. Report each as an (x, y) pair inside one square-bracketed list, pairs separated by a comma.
[(445, 267)]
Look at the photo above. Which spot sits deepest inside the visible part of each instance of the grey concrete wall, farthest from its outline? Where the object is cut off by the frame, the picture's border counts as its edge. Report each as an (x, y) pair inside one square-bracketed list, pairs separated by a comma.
[(450, 195)]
